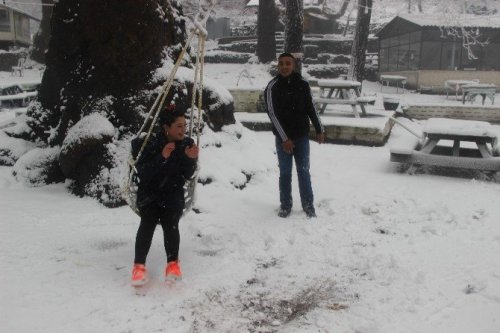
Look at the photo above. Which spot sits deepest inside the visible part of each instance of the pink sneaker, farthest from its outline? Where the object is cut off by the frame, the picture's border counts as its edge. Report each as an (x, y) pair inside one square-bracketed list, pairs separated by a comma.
[(140, 275), (173, 271)]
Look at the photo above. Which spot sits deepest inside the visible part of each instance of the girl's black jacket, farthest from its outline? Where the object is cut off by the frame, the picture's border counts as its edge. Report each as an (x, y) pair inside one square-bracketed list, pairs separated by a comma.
[(289, 106), (160, 180)]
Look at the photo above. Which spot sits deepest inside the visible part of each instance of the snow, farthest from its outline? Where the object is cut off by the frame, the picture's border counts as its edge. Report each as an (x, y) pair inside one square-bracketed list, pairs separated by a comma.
[(29, 168), (389, 252), (93, 126), (459, 127), (16, 148)]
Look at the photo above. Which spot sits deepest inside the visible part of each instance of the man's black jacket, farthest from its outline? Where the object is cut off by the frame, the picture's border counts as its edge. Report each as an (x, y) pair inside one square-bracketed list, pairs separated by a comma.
[(161, 180), (289, 106)]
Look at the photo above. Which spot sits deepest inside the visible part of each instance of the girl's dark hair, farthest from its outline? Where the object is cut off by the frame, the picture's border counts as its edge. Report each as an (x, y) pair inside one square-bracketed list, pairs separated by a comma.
[(169, 114), (286, 54)]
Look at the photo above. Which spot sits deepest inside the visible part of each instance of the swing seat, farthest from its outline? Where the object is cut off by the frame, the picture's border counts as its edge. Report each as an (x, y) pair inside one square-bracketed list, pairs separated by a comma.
[(129, 193)]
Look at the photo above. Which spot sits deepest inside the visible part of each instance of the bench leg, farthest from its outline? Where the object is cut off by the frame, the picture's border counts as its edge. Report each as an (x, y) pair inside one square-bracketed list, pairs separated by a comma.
[(483, 149), (429, 146), (456, 148), (355, 111), (361, 105)]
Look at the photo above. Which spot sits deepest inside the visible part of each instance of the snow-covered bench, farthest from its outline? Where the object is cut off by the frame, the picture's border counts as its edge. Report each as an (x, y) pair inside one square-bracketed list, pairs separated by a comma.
[(17, 94), (397, 80), (461, 154), (470, 91), (19, 69), (22, 99), (337, 91)]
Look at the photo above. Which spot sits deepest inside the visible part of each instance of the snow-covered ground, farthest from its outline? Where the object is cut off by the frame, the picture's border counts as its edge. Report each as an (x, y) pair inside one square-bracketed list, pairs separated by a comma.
[(388, 252)]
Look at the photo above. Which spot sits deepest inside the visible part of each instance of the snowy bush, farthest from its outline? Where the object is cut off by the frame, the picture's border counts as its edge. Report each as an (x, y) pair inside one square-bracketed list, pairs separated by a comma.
[(247, 47), (17, 128), (105, 183), (11, 149), (227, 57), (39, 167), (84, 138)]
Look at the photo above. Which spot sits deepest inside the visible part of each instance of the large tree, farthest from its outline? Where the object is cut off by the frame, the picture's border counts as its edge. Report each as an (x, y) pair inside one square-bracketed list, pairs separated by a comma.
[(105, 64), (266, 28), (294, 27), (360, 43)]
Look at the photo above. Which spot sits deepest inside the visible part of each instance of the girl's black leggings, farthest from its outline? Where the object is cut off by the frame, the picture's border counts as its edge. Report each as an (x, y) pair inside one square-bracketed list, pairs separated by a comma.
[(169, 221)]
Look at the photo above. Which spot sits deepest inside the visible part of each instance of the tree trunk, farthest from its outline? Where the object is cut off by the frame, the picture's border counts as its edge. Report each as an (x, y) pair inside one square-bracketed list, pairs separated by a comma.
[(41, 39), (360, 43), (294, 28), (342, 10), (266, 28)]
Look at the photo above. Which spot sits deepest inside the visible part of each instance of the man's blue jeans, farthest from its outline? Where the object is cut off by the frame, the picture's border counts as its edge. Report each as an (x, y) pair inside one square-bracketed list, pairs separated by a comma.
[(285, 160)]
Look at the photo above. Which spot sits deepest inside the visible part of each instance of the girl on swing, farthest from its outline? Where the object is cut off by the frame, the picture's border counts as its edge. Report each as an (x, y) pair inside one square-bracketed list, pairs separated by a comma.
[(168, 160)]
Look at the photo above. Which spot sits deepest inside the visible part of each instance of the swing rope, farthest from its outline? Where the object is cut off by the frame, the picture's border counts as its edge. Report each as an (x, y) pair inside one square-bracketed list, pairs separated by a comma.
[(199, 23)]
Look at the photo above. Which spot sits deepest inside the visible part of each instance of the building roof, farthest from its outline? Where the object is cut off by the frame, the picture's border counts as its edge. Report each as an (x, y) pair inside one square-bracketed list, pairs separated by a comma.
[(442, 21), (468, 21), (21, 12)]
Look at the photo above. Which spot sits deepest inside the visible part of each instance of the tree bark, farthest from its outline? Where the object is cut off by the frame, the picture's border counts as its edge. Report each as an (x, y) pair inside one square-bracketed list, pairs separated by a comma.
[(41, 39), (294, 28), (266, 28), (342, 10), (360, 43)]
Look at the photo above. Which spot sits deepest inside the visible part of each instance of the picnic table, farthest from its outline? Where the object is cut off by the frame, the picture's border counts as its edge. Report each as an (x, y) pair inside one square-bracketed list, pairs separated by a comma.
[(481, 155), (397, 80), (470, 91), (456, 85), (337, 91)]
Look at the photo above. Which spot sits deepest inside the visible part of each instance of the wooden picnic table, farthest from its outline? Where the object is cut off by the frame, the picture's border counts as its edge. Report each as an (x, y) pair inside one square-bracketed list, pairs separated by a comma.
[(460, 155), (470, 91), (17, 94), (456, 86), (456, 130), (337, 91)]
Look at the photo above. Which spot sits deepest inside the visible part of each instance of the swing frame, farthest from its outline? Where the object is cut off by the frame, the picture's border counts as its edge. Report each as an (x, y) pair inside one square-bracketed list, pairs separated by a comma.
[(129, 190)]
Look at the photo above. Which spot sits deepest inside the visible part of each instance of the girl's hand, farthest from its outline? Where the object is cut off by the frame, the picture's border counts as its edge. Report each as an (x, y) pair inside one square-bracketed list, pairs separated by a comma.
[(192, 152), (168, 149)]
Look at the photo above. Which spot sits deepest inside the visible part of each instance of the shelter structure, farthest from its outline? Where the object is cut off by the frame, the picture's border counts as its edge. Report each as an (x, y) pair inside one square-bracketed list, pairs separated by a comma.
[(421, 48), (318, 17), (15, 27)]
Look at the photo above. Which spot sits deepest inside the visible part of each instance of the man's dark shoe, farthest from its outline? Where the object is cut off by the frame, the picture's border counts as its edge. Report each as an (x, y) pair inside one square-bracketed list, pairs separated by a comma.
[(310, 212), (284, 212)]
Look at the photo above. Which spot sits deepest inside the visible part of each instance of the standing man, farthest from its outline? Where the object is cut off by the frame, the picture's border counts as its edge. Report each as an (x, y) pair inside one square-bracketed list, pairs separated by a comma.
[(289, 106)]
